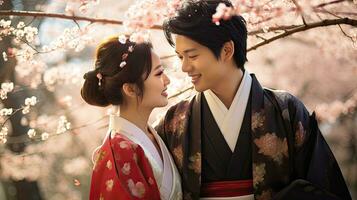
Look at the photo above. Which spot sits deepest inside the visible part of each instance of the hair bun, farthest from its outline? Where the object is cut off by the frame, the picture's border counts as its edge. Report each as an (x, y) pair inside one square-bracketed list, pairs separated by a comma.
[(91, 92), (89, 74)]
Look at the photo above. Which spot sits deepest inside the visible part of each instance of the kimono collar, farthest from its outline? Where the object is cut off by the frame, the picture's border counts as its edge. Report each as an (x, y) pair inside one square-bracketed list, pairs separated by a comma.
[(121, 125), (230, 120)]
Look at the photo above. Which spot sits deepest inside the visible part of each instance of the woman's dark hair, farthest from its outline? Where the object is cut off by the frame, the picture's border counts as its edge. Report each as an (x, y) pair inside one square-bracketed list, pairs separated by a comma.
[(108, 59), (194, 20)]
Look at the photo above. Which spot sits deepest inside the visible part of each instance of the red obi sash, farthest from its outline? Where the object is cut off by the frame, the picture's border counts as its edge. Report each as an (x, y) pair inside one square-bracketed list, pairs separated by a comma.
[(227, 188)]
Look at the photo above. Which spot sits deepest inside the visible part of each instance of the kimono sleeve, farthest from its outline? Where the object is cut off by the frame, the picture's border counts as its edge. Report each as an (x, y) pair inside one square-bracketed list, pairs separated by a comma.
[(316, 173), (133, 169), (160, 129), (175, 122)]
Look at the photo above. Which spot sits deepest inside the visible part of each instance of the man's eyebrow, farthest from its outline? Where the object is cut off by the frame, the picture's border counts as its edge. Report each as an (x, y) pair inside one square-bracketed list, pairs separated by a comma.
[(187, 50)]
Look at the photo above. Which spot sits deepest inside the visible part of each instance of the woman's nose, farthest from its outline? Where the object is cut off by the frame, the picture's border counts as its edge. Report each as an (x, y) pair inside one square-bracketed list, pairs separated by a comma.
[(166, 80)]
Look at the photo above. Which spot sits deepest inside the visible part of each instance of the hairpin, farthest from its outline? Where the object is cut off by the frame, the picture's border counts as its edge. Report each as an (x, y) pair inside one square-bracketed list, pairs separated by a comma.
[(131, 49), (100, 77), (122, 64), (122, 39)]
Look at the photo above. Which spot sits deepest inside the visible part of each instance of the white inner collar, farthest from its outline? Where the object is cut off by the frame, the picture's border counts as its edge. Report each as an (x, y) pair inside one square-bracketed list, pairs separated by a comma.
[(123, 126), (230, 120)]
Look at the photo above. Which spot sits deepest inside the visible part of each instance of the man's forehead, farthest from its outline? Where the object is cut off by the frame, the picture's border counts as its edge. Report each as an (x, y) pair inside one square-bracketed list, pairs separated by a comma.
[(184, 44)]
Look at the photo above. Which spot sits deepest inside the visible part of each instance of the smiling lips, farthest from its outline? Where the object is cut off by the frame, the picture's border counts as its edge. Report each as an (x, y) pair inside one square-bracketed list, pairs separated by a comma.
[(195, 78), (164, 93)]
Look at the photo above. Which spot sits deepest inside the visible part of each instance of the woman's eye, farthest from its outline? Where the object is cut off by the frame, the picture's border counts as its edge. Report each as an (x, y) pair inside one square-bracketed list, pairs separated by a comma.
[(193, 56), (160, 73)]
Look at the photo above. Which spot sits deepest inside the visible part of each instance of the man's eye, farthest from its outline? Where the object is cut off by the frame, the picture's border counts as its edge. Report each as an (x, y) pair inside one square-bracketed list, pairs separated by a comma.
[(193, 56)]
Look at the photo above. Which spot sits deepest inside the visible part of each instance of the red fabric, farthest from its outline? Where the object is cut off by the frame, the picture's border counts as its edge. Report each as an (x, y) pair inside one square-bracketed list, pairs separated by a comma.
[(122, 171), (227, 188)]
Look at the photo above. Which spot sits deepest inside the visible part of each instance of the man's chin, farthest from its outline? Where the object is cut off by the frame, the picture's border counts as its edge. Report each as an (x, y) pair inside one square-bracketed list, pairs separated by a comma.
[(200, 88)]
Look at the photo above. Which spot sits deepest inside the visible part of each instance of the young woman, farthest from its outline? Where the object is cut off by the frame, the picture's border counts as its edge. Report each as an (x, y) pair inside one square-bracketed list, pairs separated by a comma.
[(133, 162)]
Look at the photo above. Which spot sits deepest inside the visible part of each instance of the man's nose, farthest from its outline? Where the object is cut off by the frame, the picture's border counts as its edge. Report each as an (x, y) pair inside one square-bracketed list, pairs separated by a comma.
[(186, 66)]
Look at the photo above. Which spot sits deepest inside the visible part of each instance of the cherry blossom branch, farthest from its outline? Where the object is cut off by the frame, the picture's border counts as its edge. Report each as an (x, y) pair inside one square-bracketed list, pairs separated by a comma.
[(329, 3), (322, 23), (25, 139), (335, 13), (74, 18), (271, 29), (167, 57), (118, 22), (8, 117), (299, 10), (349, 37), (64, 16), (180, 92)]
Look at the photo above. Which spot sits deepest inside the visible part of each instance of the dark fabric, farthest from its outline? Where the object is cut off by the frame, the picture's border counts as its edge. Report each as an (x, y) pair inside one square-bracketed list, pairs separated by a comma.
[(302, 189), (219, 163), (285, 140)]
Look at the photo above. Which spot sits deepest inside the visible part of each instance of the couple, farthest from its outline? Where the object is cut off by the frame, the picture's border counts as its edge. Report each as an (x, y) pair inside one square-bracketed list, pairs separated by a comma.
[(233, 140)]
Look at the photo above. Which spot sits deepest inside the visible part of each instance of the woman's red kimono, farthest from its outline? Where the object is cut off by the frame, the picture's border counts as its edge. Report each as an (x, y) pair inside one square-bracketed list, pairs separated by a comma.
[(122, 171)]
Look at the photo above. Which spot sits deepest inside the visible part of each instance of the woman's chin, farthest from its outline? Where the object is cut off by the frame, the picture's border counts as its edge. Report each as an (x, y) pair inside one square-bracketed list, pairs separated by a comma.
[(162, 103), (165, 102)]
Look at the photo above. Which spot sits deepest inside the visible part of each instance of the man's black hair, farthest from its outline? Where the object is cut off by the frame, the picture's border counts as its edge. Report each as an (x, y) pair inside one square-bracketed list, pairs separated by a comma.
[(194, 20)]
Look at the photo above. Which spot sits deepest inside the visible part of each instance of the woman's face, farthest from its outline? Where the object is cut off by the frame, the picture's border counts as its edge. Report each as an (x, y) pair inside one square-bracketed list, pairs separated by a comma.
[(155, 85)]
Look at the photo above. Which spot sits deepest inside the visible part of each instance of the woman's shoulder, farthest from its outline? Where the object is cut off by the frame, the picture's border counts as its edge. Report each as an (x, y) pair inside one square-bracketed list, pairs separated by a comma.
[(123, 141), (124, 147)]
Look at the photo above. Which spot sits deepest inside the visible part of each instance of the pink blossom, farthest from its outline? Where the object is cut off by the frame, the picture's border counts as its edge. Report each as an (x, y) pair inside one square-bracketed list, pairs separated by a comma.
[(136, 189), (274, 147)]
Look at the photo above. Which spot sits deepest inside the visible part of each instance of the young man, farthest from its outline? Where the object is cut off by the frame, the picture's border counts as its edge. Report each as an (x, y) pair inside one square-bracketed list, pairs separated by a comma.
[(234, 139)]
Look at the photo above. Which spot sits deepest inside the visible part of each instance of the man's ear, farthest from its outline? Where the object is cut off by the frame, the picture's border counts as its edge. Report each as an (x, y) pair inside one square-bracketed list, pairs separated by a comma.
[(227, 51), (130, 90)]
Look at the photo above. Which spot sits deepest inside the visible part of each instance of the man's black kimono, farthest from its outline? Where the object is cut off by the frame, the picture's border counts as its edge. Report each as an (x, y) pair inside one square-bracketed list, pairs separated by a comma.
[(280, 147)]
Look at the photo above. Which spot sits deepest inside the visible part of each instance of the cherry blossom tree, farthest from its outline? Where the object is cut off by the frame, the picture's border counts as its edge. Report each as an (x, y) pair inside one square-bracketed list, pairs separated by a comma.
[(307, 47)]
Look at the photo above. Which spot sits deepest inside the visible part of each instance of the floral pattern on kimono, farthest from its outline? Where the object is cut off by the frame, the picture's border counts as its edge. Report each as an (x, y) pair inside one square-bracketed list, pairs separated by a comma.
[(288, 150), (122, 171)]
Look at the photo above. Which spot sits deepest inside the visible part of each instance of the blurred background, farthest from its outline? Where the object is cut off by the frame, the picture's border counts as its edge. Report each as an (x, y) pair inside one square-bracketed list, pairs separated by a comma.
[(48, 133)]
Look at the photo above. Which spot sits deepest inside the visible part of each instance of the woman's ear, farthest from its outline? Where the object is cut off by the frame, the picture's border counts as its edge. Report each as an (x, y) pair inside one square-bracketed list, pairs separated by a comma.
[(227, 51), (130, 90)]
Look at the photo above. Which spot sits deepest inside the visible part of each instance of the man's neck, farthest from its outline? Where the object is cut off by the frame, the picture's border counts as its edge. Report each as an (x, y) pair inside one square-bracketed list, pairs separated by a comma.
[(227, 90)]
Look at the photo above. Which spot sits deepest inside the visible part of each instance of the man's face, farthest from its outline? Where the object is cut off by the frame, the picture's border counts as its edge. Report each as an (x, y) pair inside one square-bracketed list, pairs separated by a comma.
[(199, 63)]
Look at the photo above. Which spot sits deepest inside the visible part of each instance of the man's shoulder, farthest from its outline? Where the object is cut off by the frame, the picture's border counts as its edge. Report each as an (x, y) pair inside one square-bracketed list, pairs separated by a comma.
[(182, 106), (283, 96), (286, 100), (177, 114)]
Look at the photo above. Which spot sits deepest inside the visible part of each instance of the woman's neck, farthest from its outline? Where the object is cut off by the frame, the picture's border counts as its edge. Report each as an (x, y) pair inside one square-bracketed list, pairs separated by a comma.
[(137, 116)]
